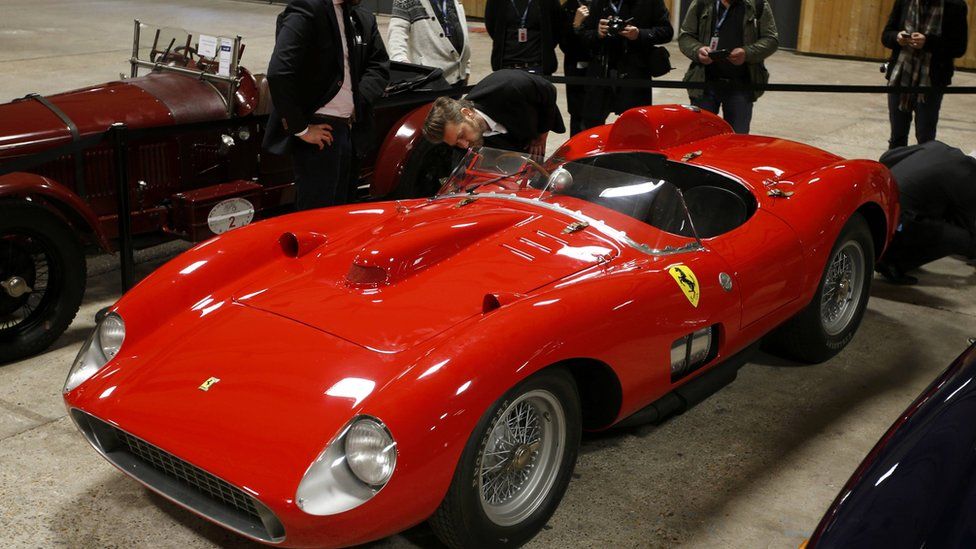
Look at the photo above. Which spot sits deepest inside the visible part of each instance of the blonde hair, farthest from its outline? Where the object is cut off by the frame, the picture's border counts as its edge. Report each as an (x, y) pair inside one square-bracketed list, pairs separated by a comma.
[(445, 109)]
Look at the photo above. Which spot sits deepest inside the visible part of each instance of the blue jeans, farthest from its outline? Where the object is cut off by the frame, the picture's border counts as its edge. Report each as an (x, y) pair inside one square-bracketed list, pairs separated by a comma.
[(736, 107)]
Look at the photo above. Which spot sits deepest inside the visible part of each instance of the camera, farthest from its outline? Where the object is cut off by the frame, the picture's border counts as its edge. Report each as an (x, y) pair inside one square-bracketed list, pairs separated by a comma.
[(615, 24)]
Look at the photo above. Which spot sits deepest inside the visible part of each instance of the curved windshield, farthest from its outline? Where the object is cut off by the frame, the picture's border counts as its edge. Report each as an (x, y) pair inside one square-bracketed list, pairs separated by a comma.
[(652, 201)]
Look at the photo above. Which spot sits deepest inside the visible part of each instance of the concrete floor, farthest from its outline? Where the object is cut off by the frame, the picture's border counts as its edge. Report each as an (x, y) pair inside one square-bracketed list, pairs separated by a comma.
[(753, 466)]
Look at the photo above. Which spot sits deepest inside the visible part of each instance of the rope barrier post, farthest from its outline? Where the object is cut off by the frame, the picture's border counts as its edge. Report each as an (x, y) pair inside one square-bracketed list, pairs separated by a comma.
[(126, 260)]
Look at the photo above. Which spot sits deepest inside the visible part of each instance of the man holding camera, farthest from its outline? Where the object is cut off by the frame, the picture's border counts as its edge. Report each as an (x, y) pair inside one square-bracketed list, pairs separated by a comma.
[(727, 42), (623, 35)]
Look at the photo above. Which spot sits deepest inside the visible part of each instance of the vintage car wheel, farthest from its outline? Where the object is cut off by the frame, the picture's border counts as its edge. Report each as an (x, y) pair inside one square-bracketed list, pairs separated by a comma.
[(427, 165), (516, 466), (42, 279), (829, 322)]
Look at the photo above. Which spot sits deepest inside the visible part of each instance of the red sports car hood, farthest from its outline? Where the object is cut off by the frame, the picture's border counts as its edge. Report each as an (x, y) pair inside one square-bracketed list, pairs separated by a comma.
[(277, 392), (423, 270)]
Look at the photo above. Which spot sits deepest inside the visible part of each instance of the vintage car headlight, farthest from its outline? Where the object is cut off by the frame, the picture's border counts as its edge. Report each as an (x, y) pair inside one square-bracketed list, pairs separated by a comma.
[(370, 452), (103, 344), (352, 469)]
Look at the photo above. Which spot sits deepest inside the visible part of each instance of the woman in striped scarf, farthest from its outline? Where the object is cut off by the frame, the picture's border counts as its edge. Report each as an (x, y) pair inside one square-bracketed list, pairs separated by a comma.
[(924, 36)]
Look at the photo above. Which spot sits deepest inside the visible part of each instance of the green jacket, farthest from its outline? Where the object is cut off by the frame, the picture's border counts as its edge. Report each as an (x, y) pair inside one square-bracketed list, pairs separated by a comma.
[(759, 37)]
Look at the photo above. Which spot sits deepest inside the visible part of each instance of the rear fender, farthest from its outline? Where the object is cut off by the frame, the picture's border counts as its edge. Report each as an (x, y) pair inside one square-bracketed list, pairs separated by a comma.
[(395, 151), (59, 199), (834, 193)]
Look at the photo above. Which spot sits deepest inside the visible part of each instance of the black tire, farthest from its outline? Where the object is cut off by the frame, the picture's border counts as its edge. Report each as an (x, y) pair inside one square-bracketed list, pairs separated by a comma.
[(811, 336), (40, 251), (428, 163), (464, 518)]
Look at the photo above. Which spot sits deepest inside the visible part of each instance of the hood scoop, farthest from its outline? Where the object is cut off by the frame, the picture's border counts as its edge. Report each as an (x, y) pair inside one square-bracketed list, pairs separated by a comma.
[(391, 258)]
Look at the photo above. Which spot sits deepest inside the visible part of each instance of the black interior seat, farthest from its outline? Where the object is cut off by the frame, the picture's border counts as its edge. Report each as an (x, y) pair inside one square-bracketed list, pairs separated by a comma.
[(715, 210)]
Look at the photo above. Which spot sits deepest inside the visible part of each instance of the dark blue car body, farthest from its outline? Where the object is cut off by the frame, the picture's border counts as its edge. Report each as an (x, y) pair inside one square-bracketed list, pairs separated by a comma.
[(917, 486)]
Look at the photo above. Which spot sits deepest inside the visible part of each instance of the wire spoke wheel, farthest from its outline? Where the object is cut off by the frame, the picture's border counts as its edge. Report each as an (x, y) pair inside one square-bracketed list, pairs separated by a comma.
[(521, 455), (843, 285), (26, 270), (42, 278)]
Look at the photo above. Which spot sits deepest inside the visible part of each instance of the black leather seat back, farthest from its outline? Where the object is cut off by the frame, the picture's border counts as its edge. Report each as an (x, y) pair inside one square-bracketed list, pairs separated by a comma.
[(715, 210)]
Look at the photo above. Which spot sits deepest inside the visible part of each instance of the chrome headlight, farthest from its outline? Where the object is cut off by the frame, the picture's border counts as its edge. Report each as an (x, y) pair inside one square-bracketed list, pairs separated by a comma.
[(100, 347), (370, 452), (352, 469)]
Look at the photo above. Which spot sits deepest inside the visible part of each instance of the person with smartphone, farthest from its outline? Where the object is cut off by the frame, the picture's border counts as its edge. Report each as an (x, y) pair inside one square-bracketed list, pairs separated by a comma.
[(924, 36), (728, 42)]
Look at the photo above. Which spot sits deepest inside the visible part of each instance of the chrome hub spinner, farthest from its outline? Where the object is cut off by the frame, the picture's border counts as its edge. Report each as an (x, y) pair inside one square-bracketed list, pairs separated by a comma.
[(15, 287)]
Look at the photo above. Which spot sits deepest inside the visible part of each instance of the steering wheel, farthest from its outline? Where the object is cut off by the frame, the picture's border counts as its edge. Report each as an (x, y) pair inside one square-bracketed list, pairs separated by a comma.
[(533, 163)]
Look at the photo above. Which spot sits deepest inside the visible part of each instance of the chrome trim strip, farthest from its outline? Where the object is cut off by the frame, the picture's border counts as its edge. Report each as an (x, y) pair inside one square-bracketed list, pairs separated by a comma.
[(580, 216), (201, 510)]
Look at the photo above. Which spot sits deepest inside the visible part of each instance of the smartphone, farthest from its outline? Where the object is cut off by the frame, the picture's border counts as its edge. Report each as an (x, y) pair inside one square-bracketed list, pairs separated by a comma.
[(719, 54)]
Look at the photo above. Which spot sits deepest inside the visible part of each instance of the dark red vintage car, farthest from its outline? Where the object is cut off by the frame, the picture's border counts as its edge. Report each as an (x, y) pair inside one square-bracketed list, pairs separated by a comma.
[(195, 168)]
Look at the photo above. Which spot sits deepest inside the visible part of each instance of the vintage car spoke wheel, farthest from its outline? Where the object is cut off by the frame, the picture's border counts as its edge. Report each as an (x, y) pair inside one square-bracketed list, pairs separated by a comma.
[(42, 279), (842, 288), (829, 322), (516, 466), (521, 457)]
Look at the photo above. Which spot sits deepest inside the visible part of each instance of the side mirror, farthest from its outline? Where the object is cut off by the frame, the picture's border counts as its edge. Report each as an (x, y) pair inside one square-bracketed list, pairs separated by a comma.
[(560, 180)]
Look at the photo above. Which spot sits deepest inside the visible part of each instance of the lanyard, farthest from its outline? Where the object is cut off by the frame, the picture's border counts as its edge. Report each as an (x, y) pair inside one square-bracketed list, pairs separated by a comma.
[(525, 14), (445, 22), (616, 7), (721, 21)]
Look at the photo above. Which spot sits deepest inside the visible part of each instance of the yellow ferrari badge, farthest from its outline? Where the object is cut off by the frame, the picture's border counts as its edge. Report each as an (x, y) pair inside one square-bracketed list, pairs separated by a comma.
[(206, 385), (687, 281)]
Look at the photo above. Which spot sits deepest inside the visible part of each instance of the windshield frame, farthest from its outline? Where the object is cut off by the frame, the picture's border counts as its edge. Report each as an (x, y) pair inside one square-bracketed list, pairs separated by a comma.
[(547, 197)]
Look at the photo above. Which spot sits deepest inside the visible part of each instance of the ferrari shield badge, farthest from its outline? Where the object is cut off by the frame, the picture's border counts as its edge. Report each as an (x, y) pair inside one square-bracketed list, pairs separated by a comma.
[(206, 385), (687, 281)]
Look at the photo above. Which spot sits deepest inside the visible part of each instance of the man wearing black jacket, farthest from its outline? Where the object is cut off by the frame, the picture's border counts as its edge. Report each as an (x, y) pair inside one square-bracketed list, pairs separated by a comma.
[(624, 54), (524, 34), (508, 109), (925, 37), (937, 192), (329, 65)]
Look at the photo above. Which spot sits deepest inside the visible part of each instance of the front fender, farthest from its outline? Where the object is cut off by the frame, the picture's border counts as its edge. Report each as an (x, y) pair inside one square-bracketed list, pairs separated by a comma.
[(58, 198), (393, 154)]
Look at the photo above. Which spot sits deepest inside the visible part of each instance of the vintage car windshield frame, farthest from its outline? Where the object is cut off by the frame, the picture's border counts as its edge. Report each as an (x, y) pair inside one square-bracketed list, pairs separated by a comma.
[(528, 167), (232, 81)]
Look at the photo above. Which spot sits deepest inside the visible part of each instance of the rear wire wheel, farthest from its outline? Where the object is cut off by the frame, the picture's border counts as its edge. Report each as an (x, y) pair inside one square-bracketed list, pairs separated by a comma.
[(515, 467), (829, 322), (42, 279)]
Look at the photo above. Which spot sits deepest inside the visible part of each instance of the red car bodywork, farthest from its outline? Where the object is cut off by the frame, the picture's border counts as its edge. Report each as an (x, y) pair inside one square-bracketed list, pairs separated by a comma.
[(283, 331)]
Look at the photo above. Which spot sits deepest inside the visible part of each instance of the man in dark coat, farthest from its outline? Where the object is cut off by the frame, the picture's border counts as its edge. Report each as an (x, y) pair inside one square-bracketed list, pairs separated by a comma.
[(524, 34), (937, 185), (624, 54), (508, 109), (925, 36), (329, 65)]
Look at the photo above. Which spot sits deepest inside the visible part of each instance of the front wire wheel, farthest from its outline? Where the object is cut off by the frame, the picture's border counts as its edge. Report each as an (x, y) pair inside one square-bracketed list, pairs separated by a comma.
[(521, 456), (515, 467)]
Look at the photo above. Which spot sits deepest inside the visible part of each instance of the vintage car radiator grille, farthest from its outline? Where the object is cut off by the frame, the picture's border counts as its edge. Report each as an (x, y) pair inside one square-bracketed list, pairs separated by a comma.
[(194, 476), (181, 481)]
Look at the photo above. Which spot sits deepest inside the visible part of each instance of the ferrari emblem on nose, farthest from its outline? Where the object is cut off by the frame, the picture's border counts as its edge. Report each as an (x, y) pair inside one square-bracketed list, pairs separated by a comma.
[(687, 281), (206, 385)]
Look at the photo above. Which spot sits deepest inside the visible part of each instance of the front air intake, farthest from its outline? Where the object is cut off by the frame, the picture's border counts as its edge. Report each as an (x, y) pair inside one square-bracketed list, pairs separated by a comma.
[(181, 481)]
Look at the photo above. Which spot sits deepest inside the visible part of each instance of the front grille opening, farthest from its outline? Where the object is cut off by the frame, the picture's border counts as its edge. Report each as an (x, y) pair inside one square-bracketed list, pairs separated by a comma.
[(181, 481)]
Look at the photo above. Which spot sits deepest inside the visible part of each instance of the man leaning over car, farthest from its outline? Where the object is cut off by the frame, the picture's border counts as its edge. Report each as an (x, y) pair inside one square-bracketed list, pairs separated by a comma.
[(329, 65)]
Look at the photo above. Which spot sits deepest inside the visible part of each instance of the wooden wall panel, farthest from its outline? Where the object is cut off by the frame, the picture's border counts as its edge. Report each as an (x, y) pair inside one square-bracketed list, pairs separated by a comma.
[(853, 29)]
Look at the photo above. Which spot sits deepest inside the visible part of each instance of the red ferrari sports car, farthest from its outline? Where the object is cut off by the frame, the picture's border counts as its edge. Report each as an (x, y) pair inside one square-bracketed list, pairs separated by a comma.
[(335, 376)]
